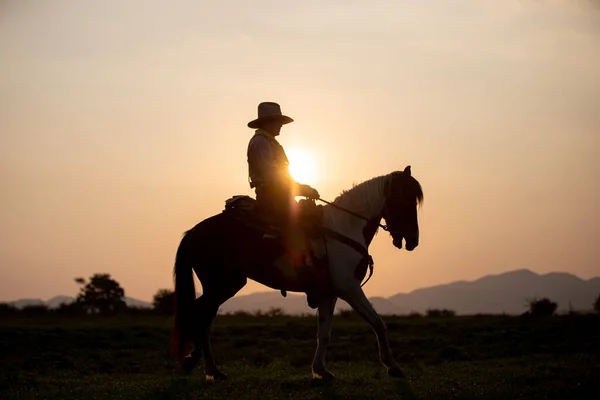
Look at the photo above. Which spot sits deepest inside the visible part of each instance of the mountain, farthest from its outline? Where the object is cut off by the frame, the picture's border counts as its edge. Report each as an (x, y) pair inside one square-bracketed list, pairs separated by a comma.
[(264, 301), (131, 302), (56, 301), (492, 294), (504, 293), (27, 302)]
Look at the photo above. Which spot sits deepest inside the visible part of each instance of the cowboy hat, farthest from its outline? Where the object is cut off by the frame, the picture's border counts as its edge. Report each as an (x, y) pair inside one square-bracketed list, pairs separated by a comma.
[(269, 111)]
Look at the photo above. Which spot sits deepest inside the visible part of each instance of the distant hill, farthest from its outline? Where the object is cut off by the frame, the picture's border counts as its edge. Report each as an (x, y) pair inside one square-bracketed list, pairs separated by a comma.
[(56, 301), (493, 294), (27, 302), (131, 302), (505, 293)]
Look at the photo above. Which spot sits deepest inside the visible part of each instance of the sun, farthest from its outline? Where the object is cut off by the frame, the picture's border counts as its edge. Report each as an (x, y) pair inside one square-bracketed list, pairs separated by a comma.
[(303, 165)]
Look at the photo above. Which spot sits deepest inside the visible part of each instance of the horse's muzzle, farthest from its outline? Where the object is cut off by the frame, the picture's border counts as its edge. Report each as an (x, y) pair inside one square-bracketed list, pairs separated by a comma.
[(411, 244)]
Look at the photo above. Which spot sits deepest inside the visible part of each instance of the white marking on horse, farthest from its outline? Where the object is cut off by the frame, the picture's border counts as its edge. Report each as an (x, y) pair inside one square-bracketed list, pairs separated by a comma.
[(368, 200)]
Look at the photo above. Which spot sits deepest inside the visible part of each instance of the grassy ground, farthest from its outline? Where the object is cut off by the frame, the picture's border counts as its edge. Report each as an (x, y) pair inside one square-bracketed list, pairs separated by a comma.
[(269, 358)]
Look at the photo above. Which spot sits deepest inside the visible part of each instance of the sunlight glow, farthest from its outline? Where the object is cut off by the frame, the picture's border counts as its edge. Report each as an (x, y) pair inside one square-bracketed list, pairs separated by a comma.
[(303, 166)]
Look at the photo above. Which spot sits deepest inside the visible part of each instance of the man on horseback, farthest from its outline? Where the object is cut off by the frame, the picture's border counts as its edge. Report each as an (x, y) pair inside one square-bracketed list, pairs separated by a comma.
[(268, 169), (276, 189)]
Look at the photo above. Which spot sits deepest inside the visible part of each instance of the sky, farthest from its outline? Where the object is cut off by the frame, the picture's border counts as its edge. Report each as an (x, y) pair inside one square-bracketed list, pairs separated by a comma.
[(123, 124)]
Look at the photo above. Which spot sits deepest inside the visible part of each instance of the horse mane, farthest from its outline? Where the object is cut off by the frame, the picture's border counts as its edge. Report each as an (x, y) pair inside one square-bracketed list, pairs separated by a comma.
[(359, 198), (415, 190), (418, 192)]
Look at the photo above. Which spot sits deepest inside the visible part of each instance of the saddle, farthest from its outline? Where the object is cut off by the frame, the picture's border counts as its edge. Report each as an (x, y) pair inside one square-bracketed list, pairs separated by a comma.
[(304, 245), (245, 209)]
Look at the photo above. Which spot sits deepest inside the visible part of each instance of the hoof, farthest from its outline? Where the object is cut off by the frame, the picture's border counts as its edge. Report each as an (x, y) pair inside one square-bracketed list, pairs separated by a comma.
[(395, 372), (216, 376), (323, 375), (188, 364)]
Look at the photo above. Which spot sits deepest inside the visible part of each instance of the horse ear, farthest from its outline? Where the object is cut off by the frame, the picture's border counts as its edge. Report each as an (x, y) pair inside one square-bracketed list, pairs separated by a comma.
[(407, 171)]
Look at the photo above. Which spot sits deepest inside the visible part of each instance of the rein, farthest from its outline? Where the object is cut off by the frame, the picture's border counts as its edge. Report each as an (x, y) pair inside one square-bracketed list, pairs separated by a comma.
[(382, 226)]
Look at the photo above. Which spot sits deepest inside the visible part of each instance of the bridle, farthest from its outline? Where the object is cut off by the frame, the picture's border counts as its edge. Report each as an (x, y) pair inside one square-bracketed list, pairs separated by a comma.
[(382, 226), (385, 207), (353, 243)]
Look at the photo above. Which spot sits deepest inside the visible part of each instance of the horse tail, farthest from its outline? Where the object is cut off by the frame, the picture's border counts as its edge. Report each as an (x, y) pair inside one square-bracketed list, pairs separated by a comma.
[(185, 296)]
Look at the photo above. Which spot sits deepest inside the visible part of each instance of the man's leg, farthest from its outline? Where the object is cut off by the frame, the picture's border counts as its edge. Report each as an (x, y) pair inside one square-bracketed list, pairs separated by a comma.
[(269, 205)]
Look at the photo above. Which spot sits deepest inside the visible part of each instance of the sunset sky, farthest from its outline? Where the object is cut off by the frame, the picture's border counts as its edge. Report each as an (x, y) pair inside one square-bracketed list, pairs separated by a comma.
[(123, 124)]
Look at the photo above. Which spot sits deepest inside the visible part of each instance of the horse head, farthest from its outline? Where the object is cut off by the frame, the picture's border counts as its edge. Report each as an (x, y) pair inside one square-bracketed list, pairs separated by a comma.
[(403, 195)]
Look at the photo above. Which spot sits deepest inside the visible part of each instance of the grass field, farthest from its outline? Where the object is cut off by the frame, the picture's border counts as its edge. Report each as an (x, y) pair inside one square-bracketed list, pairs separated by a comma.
[(480, 357)]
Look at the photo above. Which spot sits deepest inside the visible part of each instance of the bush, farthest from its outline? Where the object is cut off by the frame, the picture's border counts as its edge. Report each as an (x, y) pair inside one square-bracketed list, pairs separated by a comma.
[(275, 312), (258, 313), (348, 314), (70, 309), (542, 307), (597, 304), (139, 311), (7, 309), (35, 310), (435, 313), (164, 302), (239, 313)]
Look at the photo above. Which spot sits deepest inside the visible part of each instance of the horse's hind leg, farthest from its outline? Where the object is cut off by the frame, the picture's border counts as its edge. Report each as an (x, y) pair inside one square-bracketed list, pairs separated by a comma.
[(191, 361), (208, 306)]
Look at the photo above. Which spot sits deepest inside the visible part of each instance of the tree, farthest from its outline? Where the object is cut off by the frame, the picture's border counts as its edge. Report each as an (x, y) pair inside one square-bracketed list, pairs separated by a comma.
[(542, 307), (597, 304), (164, 302), (101, 295)]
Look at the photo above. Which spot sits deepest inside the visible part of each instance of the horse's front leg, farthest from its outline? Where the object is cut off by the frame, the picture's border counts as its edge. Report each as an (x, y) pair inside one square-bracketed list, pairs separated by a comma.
[(359, 302), (325, 313)]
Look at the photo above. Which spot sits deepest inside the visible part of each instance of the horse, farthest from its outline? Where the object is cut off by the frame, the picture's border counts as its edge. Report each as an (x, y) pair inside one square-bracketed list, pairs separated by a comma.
[(224, 254)]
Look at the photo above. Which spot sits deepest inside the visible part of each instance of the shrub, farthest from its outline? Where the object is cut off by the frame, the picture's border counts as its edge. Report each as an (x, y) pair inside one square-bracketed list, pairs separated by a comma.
[(35, 310), (163, 302), (7, 309), (70, 309), (597, 304), (275, 312), (258, 313), (415, 314), (436, 313), (348, 314), (542, 307), (239, 313)]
